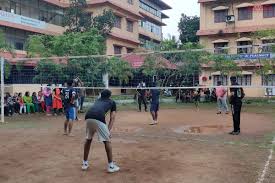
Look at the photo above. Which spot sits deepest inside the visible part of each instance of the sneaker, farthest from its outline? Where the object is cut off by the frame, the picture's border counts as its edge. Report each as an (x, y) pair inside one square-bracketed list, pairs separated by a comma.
[(235, 133), (219, 112), (112, 168), (156, 122), (85, 166), (152, 123)]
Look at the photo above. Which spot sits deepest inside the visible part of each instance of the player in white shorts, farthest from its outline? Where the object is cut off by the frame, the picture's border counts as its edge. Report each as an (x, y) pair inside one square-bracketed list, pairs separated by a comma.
[(95, 123)]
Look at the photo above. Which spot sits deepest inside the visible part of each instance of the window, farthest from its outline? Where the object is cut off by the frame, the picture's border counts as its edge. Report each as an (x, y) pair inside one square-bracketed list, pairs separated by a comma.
[(117, 49), (19, 46), (245, 13), (268, 48), (15, 37), (269, 11), (151, 27), (244, 47), (130, 26), (149, 8), (219, 48), (223, 79), (269, 80), (244, 80), (117, 23), (130, 2), (130, 50), (220, 16)]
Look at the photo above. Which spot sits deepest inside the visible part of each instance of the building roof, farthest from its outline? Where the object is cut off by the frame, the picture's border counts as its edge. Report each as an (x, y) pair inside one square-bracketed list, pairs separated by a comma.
[(161, 4), (205, 1), (60, 3), (136, 61), (114, 4)]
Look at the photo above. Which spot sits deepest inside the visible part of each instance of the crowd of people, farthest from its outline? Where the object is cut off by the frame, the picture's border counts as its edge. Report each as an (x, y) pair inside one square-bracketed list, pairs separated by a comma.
[(49, 100)]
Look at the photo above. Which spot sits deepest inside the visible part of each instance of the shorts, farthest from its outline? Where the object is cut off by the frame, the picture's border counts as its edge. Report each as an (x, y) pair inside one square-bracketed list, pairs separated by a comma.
[(94, 126), (70, 113), (154, 108)]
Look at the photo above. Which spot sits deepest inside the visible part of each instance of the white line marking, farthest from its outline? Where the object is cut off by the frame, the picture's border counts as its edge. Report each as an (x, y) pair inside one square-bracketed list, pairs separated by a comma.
[(266, 167)]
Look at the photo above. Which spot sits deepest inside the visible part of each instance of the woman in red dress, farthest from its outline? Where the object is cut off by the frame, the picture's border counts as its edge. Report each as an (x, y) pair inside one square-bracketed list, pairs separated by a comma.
[(57, 101)]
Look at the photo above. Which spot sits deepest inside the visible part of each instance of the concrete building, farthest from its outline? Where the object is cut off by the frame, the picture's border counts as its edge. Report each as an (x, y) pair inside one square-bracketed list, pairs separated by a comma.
[(138, 22), (231, 24)]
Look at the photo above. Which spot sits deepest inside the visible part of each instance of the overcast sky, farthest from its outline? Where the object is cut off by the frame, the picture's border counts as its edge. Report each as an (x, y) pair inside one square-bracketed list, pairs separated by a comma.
[(189, 7)]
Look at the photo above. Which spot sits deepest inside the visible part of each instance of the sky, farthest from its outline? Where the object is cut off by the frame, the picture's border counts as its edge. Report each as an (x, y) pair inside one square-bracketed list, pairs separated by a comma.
[(189, 7)]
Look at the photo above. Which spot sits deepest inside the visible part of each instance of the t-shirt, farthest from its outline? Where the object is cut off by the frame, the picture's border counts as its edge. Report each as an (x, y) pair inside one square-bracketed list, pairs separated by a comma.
[(155, 96), (238, 95), (100, 109), (220, 91), (69, 94), (141, 92)]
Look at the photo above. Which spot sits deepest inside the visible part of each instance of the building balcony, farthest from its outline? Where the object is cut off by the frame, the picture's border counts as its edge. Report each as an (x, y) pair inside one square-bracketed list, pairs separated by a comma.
[(149, 34), (151, 17)]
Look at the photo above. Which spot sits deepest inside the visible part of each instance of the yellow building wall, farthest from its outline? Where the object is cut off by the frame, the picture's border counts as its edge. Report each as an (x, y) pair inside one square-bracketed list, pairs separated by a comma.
[(256, 80), (22, 88), (207, 15), (119, 32)]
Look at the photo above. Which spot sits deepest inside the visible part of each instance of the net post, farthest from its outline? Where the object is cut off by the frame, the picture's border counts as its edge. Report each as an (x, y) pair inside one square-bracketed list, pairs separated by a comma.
[(106, 80), (2, 90)]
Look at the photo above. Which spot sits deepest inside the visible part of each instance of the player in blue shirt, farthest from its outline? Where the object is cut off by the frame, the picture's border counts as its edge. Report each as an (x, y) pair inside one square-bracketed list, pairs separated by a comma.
[(155, 93), (69, 98)]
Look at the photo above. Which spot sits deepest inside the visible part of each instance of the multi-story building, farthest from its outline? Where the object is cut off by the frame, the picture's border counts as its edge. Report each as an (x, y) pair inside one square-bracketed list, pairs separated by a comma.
[(138, 23), (231, 24)]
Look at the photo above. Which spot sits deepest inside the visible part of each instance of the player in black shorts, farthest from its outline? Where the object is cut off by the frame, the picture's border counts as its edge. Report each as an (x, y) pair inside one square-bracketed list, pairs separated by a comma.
[(96, 123), (155, 93), (69, 97)]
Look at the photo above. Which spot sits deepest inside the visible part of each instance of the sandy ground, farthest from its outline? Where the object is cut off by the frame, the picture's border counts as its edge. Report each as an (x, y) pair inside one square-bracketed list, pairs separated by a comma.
[(186, 147)]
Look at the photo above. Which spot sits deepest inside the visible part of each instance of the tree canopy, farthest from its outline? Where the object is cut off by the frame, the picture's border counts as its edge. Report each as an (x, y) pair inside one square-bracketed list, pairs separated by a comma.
[(188, 27)]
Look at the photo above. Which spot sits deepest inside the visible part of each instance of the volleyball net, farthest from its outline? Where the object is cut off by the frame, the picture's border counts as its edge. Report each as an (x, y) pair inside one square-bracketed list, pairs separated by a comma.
[(177, 73)]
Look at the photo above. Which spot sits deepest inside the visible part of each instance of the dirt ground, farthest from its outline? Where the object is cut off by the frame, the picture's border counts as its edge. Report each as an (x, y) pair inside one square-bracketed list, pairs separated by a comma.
[(186, 147)]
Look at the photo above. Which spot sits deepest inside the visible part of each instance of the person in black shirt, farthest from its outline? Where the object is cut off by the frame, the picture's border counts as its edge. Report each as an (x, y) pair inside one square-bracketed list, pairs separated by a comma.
[(96, 123), (155, 93), (69, 97), (236, 96), (141, 97)]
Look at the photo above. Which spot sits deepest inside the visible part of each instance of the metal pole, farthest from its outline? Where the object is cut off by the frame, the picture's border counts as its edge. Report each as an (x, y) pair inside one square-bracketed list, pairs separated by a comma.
[(2, 90)]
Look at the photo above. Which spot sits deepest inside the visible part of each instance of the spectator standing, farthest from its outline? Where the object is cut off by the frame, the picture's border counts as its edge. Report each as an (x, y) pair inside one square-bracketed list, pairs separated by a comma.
[(48, 100), (57, 101), (22, 104), (41, 101), (221, 98)]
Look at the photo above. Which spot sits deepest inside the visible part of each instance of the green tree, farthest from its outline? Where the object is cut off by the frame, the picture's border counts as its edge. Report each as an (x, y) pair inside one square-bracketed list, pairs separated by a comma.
[(4, 47), (188, 27), (104, 22), (119, 69), (225, 65), (87, 43), (76, 18), (169, 44)]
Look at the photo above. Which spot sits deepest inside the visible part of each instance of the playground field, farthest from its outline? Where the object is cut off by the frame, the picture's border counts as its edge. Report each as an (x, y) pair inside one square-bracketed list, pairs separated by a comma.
[(185, 147)]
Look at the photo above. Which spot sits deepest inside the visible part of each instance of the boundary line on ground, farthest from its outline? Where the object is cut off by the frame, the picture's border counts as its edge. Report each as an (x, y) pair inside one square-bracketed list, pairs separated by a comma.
[(267, 164)]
